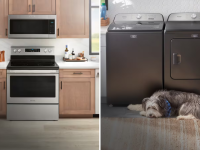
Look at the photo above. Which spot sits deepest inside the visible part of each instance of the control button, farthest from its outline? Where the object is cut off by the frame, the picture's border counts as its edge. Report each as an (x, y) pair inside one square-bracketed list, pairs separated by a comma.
[(193, 16), (19, 50), (45, 50), (139, 16), (15, 50), (50, 50)]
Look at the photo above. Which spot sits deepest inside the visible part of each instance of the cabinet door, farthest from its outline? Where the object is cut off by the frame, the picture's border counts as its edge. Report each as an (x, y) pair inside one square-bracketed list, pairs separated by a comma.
[(72, 18), (20, 7), (77, 96), (3, 18), (2, 96), (44, 7)]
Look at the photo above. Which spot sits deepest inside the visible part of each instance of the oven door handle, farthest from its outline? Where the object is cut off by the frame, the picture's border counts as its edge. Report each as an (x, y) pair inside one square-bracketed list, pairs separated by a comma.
[(32, 71)]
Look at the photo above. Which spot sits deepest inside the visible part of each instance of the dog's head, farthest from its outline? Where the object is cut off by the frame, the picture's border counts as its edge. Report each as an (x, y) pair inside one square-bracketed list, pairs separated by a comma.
[(155, 106)]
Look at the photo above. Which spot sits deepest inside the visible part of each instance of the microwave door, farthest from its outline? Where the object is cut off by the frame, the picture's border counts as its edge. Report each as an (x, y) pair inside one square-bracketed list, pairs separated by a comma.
[(24, 26)]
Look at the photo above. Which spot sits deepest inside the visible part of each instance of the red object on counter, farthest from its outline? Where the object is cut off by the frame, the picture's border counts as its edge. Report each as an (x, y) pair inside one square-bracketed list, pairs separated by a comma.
[(3, 56)]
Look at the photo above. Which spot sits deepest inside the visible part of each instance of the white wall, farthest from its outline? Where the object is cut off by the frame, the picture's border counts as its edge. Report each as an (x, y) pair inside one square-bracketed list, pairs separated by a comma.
[(79, 45), (164, 7)]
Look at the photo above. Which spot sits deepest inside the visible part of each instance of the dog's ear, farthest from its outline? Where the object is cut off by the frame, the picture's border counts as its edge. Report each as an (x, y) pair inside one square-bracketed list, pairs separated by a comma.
[(144, 101), (162, 102)]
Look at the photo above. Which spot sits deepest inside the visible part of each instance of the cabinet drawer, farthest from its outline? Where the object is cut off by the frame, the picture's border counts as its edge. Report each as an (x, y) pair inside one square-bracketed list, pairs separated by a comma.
[(78, 73), (2, 73)]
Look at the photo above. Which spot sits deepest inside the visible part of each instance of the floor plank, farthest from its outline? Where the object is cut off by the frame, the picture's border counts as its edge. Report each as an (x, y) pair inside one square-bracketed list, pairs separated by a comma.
[(65, 134)]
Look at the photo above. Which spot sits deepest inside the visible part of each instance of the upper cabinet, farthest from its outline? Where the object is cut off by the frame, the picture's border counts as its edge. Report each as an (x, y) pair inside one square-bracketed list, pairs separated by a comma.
[(20, 7), (37, 7), (46, 7), (72, 18), (3, 18)]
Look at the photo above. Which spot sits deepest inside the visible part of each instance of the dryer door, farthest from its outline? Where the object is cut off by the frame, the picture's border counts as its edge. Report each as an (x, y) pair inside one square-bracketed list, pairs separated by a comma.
[(185, 59)]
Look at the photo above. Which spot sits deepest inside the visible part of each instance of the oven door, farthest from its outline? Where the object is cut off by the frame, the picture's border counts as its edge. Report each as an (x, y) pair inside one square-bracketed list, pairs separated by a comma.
[(31, 26), (32, 87)]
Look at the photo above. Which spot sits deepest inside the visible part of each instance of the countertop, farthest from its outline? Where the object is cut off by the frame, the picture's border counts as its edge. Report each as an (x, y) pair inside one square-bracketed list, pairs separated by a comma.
[(3, 65), (104, 29), (66, 65), (78, 65)]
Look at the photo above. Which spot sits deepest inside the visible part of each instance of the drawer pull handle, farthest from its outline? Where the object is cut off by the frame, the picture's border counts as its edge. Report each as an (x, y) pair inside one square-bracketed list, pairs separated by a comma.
[(61, 85), (78, 73), (4, 85)]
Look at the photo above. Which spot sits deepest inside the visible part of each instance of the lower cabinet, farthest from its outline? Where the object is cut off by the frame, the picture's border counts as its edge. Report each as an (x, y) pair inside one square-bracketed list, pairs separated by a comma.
[(77, 92), (2, 92)]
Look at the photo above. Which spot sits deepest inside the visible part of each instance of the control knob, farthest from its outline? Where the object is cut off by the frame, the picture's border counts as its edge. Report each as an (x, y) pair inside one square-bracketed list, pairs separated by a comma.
[(19, 50), (50, 50), (45, 50), (139, 16), (193, 16), (14, 50)]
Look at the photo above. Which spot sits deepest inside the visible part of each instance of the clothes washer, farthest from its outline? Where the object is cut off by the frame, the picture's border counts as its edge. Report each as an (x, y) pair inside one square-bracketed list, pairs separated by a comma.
[(134, 57), (182, 52)]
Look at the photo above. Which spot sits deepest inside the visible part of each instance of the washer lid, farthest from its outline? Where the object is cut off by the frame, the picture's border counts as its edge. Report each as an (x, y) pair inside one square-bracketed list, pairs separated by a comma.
[(137, 22)]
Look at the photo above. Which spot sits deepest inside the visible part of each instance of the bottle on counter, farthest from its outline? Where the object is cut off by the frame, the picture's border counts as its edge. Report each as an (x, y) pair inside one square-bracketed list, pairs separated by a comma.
[(103, 11), (70, 56), (66, 53), (73, 54)]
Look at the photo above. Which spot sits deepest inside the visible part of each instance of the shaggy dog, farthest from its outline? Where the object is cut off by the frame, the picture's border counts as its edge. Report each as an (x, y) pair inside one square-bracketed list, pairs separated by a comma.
[(170, 103)]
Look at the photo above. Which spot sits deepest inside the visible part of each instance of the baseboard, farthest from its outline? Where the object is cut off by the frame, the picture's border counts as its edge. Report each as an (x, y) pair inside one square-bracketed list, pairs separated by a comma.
[(95, 115), (77, 116)]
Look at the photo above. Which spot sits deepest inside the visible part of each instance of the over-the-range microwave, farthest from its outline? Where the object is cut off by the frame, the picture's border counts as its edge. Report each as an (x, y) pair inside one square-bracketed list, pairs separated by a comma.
[(32, 26)]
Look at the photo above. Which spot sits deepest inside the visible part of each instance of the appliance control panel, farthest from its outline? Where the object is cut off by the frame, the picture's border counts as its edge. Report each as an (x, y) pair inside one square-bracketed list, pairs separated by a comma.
[(138, 17), (32, 50), (193, 16)]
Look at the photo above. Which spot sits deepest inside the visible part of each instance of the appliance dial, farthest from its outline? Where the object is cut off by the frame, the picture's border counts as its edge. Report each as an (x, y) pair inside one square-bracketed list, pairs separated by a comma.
[(50, 50), (193, 16), (45, 50), (19, 50), (139, 16), (15, 50)]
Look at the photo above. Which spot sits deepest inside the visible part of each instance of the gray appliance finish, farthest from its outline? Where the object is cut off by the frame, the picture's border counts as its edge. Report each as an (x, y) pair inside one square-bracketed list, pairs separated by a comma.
[(32, 84), (182, 52), (32, 26), (134, 57)]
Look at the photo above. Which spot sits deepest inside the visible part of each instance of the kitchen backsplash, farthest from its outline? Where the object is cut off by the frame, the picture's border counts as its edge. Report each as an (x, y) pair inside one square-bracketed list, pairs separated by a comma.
[(79, 45), (164, 7)]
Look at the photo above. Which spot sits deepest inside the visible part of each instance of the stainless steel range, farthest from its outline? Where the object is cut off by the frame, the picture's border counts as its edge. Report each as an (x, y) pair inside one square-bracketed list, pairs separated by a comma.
[(32, 84)]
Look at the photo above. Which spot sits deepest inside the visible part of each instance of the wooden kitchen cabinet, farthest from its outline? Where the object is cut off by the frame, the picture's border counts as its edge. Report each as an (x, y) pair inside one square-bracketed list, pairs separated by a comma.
[(2, 92), (44, 7), (77, 95), (72, 18), (36, 7), (3, 18), (20, 7)]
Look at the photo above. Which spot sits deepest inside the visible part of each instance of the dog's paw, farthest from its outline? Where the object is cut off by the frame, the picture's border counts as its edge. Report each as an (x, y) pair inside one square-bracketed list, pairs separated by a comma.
[(137, 107), (188, 117), (143, 113)]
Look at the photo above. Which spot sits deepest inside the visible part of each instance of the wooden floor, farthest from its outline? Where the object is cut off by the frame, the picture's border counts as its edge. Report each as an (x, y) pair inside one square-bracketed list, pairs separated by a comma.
[(149, 134), (65, 134)]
